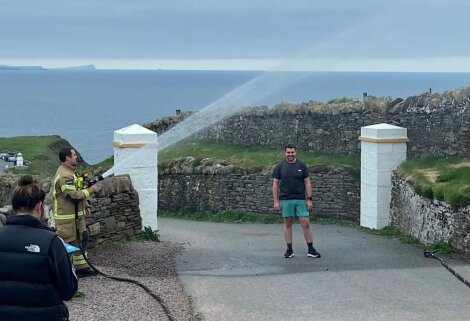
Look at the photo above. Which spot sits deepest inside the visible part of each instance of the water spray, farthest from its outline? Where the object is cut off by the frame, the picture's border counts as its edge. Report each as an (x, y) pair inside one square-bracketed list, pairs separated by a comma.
[(243, 96), (255, 90), (246, 95)]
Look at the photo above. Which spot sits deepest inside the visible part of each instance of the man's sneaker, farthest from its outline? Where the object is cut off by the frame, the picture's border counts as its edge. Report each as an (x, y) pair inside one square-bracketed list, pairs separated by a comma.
[(313, 253), (86, 272), (289, 253)]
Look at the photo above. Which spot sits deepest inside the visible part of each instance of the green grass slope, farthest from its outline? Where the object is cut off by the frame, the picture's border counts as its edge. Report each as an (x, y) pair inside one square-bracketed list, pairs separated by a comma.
[(41, 151), (443, 179), (246, 157)]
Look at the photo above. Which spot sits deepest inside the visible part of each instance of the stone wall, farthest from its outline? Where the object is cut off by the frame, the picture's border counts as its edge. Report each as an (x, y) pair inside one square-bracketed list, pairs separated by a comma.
[(7, 185), (428, 220), (438, 125), (335, 191), (115, 209)]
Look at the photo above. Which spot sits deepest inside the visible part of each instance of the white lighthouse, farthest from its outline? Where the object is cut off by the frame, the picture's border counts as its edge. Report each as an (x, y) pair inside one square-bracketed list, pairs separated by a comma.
[(19, 160)]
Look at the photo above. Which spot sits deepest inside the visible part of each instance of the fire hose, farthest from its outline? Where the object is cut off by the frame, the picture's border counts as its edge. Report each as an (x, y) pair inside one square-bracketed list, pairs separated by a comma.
[(155, 296), (430, 254)]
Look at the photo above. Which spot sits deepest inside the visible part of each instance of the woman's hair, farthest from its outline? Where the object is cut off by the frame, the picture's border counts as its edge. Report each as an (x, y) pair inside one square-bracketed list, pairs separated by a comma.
[(27, 194)]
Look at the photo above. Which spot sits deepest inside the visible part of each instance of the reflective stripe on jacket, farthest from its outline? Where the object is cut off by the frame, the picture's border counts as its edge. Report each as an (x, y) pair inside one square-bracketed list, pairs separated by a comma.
[(65, 193)]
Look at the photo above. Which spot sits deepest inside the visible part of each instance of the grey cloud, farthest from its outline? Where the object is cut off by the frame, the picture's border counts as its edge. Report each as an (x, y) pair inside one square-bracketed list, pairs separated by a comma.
[(237, 29)]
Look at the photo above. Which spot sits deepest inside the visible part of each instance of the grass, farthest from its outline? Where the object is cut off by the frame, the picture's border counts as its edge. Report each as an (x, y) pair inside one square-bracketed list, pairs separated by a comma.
[(103, 166), (341, 100), (247, 157), (443, 179), (441, 247), (394, 234), (222, 217), (241, 217), (35, 149), (79, 295), (146, 235)]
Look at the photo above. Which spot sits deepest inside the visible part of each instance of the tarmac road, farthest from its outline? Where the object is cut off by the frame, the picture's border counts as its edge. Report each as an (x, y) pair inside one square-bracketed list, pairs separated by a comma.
[(237, 272), (5, 165)]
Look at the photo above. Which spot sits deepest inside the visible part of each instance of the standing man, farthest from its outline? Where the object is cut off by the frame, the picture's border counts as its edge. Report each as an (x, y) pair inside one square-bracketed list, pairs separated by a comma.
[(36, 274), (292, 177), (67, 194)]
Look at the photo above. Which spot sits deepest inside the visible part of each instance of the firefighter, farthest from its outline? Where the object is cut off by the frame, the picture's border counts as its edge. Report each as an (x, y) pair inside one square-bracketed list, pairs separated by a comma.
[(67, 191)]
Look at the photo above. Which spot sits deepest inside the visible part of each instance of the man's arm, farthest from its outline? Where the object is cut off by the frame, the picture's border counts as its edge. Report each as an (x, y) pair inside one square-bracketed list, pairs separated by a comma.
[(68, 188), (276, 194), (65, 280), (308, 193)]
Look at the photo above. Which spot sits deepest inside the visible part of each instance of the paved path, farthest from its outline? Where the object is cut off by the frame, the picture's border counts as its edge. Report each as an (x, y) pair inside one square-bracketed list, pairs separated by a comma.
[(3, 165), (237, 272)]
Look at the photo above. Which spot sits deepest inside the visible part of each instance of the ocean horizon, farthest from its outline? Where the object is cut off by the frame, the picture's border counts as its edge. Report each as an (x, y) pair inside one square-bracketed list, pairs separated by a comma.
[(87, 106)]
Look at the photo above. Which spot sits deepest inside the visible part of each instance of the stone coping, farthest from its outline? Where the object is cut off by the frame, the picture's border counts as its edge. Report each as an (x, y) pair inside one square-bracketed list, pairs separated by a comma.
[(384, 140)]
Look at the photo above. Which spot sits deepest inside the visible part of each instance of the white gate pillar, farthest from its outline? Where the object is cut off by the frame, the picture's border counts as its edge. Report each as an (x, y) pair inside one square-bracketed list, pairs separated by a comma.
[(383, 148), (135, 153)]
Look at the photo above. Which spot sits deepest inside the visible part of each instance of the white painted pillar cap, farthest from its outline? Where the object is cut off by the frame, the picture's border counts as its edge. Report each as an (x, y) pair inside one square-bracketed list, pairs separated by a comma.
[(134, 134), (383, 132)]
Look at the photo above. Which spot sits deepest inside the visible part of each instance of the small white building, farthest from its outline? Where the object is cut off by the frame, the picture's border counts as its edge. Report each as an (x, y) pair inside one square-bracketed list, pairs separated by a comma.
[(19, 160)]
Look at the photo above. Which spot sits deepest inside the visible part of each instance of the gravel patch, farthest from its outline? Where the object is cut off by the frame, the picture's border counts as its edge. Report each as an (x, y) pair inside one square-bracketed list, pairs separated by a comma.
[(150, 263)]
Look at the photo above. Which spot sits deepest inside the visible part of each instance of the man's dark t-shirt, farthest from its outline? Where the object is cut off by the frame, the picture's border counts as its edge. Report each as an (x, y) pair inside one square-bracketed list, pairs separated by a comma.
[(291, 176)]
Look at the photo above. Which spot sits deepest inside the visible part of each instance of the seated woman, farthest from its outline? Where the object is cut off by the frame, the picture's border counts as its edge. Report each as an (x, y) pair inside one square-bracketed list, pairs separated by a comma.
[(36, 274)]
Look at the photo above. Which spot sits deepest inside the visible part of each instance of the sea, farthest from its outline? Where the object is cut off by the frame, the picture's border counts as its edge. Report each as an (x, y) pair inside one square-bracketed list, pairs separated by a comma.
[(87, 106)]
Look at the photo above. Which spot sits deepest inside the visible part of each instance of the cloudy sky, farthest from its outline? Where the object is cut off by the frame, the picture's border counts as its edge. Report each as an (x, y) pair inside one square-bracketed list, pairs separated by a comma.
[(398, 35)]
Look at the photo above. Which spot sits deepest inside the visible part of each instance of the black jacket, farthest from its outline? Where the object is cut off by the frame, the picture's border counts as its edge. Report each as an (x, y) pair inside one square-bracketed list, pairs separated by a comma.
[(35, 272)]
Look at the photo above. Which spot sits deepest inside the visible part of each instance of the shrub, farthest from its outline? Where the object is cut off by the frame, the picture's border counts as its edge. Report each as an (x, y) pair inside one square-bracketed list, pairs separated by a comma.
[(149, 235)]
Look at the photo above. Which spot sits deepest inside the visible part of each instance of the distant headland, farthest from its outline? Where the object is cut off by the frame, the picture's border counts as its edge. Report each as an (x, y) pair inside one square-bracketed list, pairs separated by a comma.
[(84, 67)]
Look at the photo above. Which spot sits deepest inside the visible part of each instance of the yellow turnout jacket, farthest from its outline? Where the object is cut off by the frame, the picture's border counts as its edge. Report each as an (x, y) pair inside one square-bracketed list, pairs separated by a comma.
[(65, 193)]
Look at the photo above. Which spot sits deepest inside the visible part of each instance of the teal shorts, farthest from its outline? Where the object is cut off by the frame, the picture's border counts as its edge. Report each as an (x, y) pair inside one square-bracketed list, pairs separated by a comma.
[(291, 208)]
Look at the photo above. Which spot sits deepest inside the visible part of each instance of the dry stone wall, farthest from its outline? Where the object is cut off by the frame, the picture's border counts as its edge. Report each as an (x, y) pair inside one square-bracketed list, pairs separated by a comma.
[(335, 191), (438, 124), (115, 208), (428, 220), (7, 185)]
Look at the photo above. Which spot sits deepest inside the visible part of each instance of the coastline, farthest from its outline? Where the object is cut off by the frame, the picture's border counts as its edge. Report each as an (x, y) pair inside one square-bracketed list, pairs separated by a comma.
[(87, 107)]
